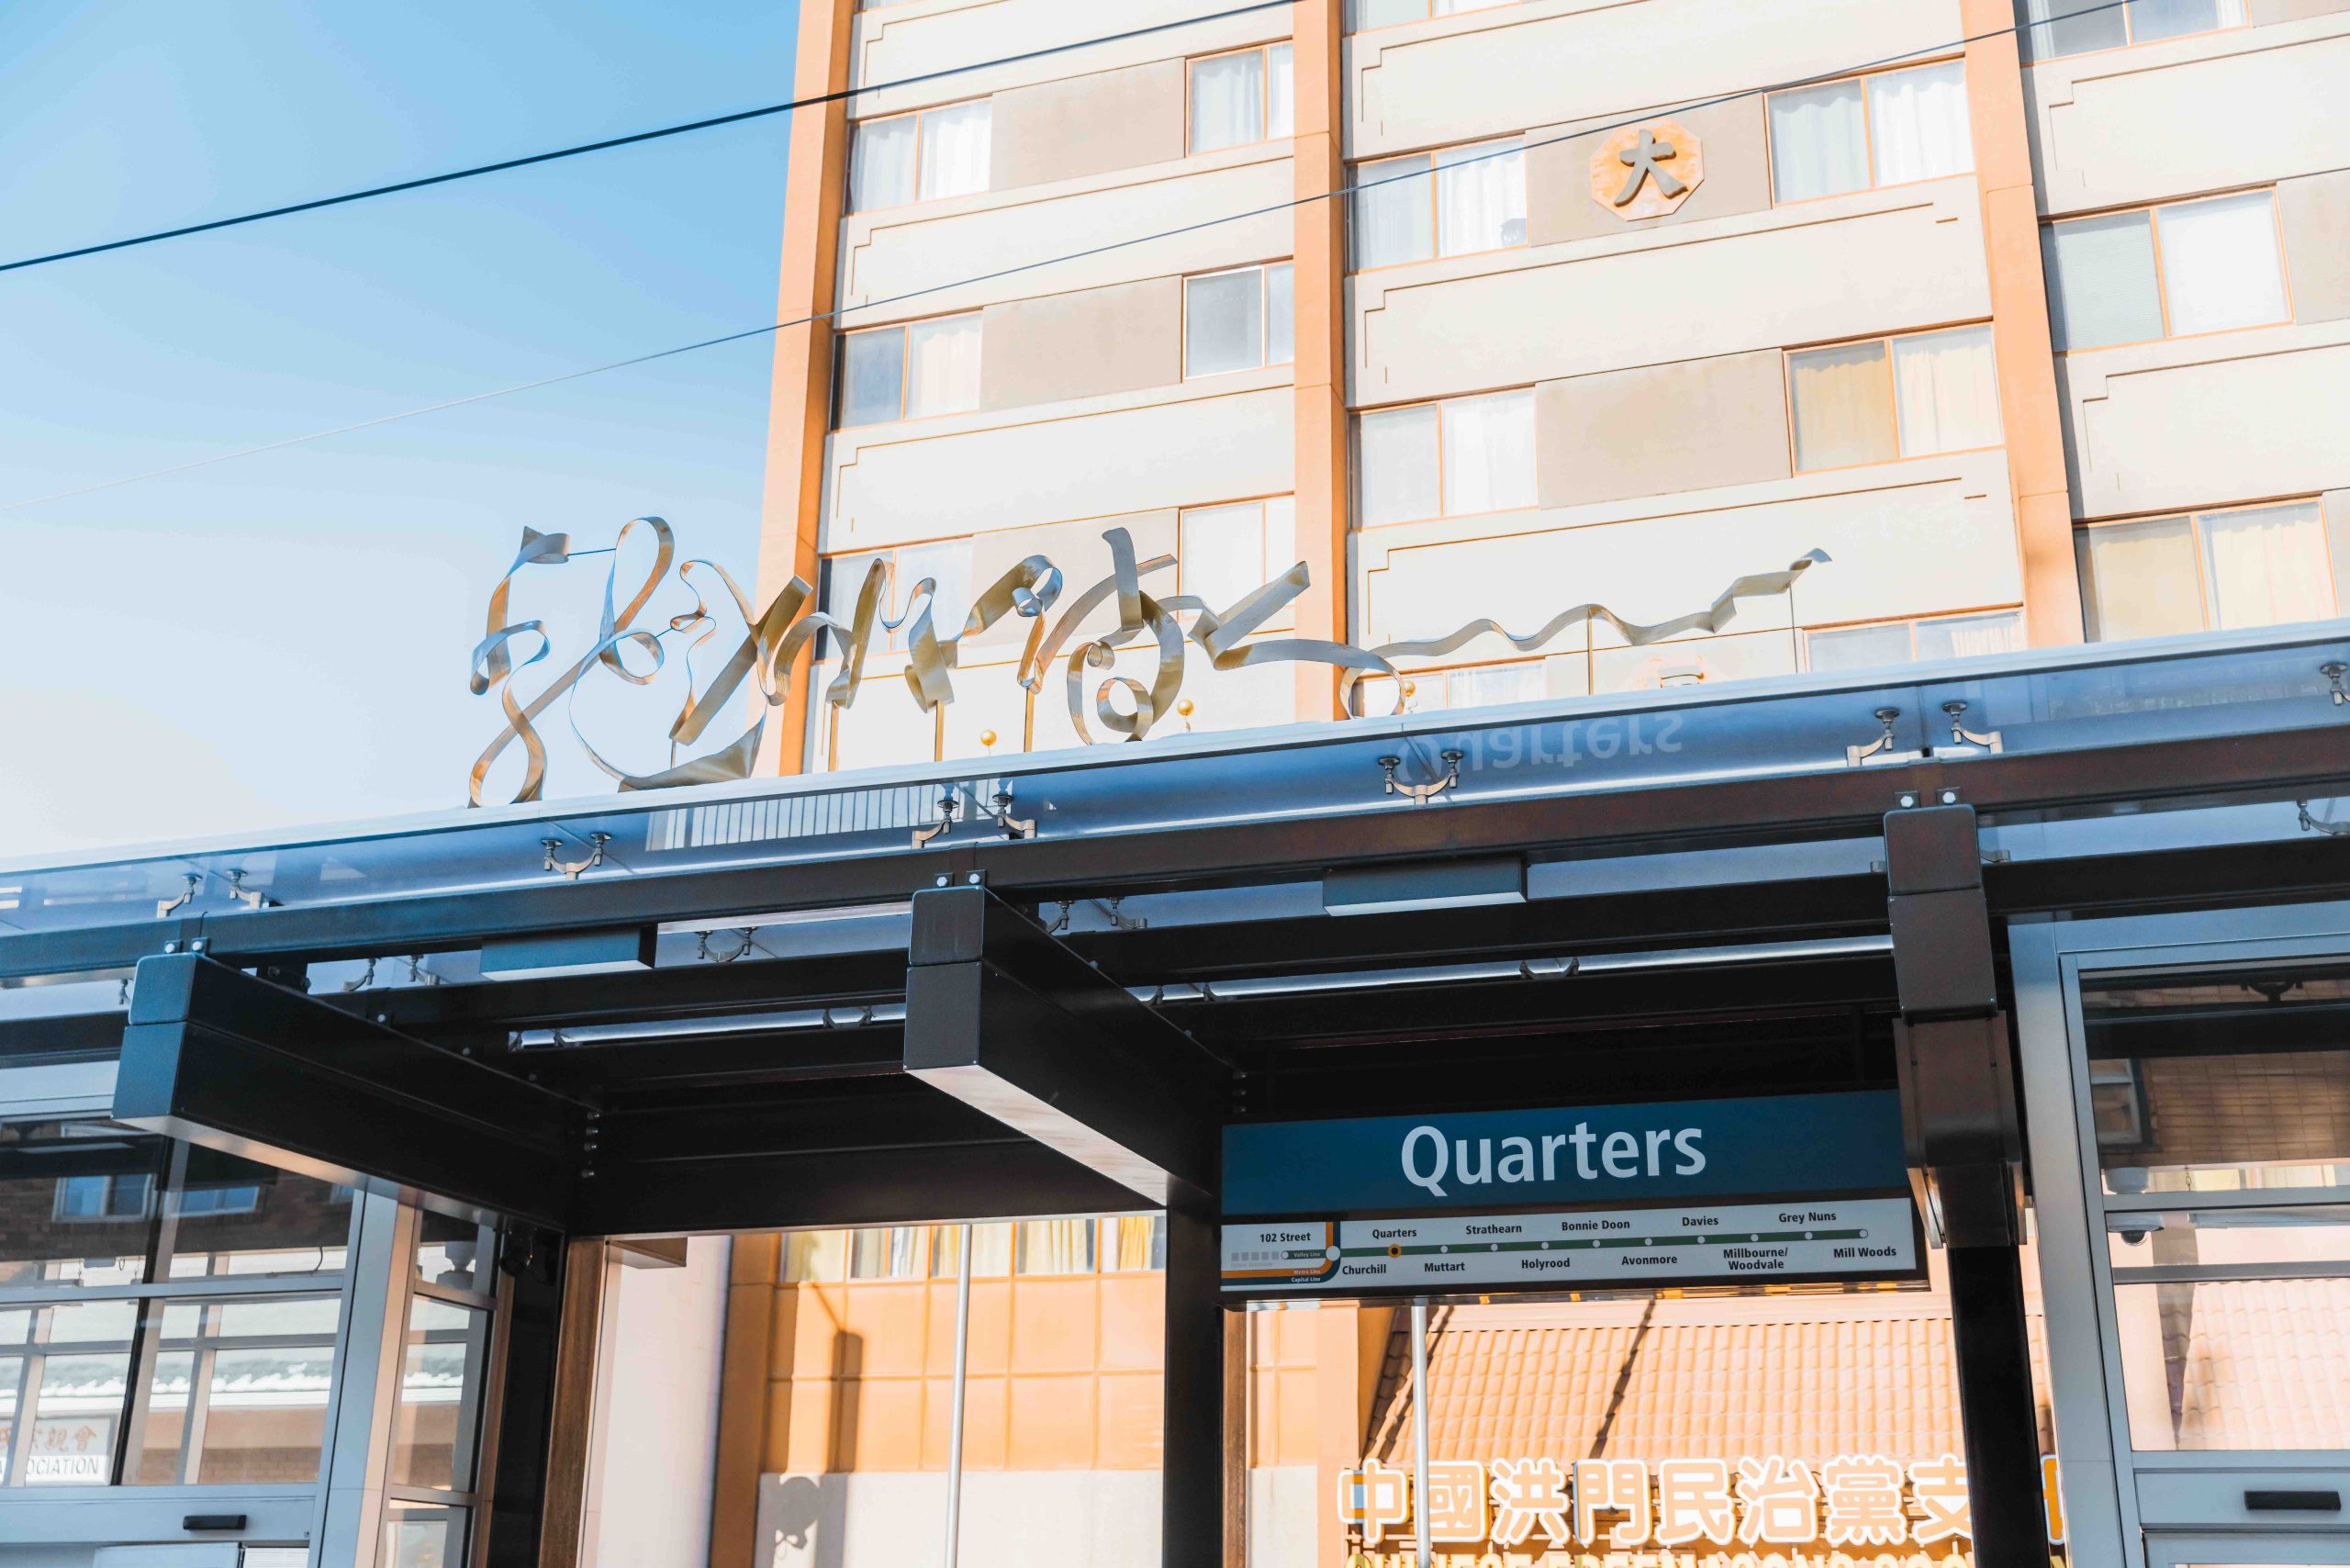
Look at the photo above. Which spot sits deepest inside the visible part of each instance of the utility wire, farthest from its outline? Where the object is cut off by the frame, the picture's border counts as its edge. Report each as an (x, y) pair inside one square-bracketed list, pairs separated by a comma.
[(1680, 107), (630, 140)]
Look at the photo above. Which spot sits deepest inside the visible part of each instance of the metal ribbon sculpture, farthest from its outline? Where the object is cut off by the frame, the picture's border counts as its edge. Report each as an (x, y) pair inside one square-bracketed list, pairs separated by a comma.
[(773, 639)]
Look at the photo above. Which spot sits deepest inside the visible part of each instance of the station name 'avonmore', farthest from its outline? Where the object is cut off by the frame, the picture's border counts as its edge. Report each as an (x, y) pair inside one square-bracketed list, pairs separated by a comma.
[(1431, 1159)]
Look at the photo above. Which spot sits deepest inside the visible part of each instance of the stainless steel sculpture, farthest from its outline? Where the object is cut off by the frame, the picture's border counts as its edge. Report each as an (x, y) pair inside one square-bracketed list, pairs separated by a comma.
[(1030, 590)]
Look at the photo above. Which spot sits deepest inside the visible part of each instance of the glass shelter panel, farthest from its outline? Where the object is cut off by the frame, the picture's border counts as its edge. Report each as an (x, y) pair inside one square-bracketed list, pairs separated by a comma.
[(2218, 1102)]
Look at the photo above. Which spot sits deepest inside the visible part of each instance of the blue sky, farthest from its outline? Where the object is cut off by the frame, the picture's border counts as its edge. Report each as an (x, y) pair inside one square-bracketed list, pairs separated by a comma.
[(285, 637)]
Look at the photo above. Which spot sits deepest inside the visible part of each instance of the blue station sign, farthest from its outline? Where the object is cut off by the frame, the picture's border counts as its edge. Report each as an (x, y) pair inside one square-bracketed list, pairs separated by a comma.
[(1583, 1197)]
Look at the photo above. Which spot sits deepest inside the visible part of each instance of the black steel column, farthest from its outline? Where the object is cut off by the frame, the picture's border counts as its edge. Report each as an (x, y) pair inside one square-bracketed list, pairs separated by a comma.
[(515, 1467), (1959, 1112), (1192, 1495)]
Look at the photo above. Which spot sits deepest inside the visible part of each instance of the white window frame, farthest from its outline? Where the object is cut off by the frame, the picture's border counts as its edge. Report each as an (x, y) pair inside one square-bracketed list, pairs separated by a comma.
[(1908, 624), (1893, 395), (905, 371), (2032, 32), (1267, 340), (2154, 211), (2193, 517), (1444, 502), (1427, 13), (917, 199), (1868, 133), (1493, 146), (1264, 53)]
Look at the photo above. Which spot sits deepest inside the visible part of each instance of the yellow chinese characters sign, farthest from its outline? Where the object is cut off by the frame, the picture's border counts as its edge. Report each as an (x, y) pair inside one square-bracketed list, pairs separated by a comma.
[(1860, 1507)]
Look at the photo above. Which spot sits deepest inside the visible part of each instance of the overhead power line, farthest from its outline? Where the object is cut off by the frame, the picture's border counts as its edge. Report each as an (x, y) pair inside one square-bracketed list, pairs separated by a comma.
[(1681, 106), (738, 117)]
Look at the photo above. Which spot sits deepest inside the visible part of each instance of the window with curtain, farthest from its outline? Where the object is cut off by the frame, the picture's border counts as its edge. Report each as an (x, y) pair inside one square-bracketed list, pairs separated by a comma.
[(1883, 129), (2172, 270), (1899, 642), (990, 1251), (1242, 98), (954, 150), (1240, 319), (1460, 456), (920, 157), (2217, 570), (1223, 553), (1481, 197), (1133, 1243), (1456, 202), (889, 1252), (1054, 1246), (1906, 397), (2056, 32), (1364, 15), (910, 372)]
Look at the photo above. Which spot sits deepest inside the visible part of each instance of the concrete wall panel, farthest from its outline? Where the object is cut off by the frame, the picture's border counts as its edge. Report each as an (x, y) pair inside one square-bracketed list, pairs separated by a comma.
[(2205, 421), (1560, 206), (1659, 429), (1871, 262), (971, 474), (1493, 71), (905, 250), (1087, 344), (1913, 538), (2194, 114), (1087, 125)]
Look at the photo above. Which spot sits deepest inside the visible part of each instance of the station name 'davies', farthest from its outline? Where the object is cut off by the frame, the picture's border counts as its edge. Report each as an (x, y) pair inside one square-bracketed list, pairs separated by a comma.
[(1430, 1159)]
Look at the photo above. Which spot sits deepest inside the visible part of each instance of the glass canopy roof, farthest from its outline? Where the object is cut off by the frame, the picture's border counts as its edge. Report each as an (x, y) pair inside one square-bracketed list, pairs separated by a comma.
[(2036, 701)]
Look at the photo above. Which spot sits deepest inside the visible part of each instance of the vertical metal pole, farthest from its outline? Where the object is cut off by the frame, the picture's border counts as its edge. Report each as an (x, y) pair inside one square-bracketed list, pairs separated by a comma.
[(955, 1418), (1420, 1432)]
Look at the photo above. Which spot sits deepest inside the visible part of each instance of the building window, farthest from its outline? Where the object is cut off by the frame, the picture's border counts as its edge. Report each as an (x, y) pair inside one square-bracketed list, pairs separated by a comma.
[(1450, 459), (1054, 1246), (1900, 642), (1224, 553), (2166, 272), (103, 1197), (920, 157), (1243, 97), (889, 1252), (2215, 570), (1471, 686), (2140, 21), (1240, 319), (1133, 1244), (1364, 15), (1451, 203), (815, 1256), (910, 372), (1886, 129), (1890, 398)]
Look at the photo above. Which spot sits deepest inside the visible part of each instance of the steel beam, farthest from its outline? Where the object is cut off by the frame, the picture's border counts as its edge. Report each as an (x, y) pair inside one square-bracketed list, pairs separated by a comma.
[(217, 1057), (1002, 1017), (1960, 1116), (2278, 764), (915, 1184)]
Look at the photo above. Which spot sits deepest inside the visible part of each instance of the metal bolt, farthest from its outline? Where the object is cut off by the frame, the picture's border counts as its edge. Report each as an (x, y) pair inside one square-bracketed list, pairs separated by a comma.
[(942, 882), (1950, 796), (383, 1018), (973, 878), (1909, 800), (170, 947)]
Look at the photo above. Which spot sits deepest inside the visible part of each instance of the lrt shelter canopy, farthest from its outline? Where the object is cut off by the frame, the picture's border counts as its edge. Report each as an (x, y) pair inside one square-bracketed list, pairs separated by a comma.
[(1049, 987)]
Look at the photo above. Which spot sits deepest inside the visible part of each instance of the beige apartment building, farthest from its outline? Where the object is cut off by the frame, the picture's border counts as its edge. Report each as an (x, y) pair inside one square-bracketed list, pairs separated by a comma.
[(2036, 327)]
